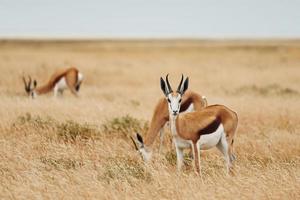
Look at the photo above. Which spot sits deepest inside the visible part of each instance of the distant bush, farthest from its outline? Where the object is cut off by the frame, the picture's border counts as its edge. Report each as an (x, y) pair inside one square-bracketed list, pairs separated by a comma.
[(125, 125), (35, 122), (70, 130)]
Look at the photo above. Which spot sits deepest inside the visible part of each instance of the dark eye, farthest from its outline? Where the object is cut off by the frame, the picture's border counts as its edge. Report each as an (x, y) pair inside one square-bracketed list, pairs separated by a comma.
[(180, 101), (169, 100)]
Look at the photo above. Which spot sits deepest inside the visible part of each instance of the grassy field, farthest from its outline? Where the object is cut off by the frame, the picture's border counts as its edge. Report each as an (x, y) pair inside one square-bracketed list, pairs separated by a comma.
[(79, 148)]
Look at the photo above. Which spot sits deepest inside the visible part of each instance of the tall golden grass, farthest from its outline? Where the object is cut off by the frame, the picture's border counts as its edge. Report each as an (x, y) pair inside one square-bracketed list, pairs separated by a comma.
[(79, 148)]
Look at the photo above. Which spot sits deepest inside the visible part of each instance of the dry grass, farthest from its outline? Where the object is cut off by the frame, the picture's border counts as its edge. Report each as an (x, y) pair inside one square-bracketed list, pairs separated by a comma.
[(69, 148)]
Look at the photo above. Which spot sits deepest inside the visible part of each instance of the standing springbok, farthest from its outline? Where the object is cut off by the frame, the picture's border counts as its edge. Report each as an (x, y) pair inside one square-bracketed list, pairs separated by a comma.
[(69, 78), (203, 129), (190, 101)]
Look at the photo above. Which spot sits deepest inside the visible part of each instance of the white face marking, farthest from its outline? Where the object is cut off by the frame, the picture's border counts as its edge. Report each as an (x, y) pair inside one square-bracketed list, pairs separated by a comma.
[(145, 154), (174, 103), (33, 94)]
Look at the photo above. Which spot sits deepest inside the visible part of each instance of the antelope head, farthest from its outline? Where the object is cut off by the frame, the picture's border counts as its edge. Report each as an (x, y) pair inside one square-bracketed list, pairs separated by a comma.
[(29, 87), (174, 98), (139, 145)]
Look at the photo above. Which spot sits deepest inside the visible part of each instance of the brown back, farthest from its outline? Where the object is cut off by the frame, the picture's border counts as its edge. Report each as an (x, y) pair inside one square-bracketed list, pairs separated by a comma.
[(191, 126), (70, 75)]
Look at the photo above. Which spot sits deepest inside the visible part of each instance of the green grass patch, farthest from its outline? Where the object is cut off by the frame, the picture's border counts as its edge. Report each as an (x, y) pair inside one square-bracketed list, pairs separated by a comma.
[(33, 122), (71, 130), (171, 158), (125, 126), (67, 131)]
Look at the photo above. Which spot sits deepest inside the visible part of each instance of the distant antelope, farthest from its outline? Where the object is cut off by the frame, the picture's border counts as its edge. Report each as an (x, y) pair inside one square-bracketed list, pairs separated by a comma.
[(203, 129), (190, 101), (63, 79)]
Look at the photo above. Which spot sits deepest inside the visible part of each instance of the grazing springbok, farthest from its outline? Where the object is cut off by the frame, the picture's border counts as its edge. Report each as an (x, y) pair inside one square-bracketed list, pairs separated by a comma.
[(190, 101), (211, 126), (69, 78)]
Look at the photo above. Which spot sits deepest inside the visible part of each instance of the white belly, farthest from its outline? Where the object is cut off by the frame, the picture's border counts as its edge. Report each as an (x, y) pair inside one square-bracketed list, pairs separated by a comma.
[(181, 143), (190, 108), (61, 84), (211, 140)]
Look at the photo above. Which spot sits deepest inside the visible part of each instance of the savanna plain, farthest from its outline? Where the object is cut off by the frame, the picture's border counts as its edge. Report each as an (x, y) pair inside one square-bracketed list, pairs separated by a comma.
[(80, 148)]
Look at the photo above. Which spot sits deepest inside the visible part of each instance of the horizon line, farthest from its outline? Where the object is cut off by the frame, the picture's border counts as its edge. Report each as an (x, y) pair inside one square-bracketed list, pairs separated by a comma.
[(87, 38)]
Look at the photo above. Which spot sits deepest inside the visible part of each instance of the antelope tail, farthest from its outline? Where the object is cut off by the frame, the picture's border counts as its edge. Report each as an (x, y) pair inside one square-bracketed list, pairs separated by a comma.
[(204, 101)]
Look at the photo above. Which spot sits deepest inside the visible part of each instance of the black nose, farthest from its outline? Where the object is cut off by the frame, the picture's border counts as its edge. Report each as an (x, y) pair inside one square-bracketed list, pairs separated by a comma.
[(174, 112)]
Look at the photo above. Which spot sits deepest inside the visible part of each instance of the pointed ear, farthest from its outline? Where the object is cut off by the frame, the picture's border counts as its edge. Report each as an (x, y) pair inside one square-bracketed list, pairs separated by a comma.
[(140, 139), (163, 86), (34, 84), (185, 85)]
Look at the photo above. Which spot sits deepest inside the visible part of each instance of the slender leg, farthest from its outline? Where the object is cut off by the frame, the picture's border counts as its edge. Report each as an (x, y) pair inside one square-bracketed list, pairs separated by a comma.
[(198, 145), (179, 155), (230, 141), (196, 157), (232, 157), (55, 90), (223, 147)]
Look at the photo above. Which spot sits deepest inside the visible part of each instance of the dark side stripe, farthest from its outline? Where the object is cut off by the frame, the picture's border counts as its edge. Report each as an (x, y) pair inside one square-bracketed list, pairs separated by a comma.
[(185, 105), (210, 128)]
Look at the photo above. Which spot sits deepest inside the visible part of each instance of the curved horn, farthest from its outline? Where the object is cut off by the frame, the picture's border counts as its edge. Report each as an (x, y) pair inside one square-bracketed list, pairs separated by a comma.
[(25, 83), (179, 86), (169, 86), (136, 147), (29, 83), (27, 86)]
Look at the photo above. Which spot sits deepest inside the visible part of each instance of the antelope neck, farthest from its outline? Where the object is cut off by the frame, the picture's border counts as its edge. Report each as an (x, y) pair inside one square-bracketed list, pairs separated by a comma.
[(173, 120)]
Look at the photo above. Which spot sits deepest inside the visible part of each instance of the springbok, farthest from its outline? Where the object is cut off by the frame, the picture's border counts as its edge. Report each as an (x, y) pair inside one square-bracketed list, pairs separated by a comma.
[(190, 101), (211, 126), (69, 78)]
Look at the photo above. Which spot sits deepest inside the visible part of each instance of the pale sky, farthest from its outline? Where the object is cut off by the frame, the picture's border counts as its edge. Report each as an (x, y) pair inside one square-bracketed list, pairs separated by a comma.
[(150, 18)]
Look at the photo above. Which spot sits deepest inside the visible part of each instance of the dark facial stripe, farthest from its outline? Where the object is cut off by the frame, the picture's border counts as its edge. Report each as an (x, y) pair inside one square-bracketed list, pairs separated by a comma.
[(210, 128), (77, 87)]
